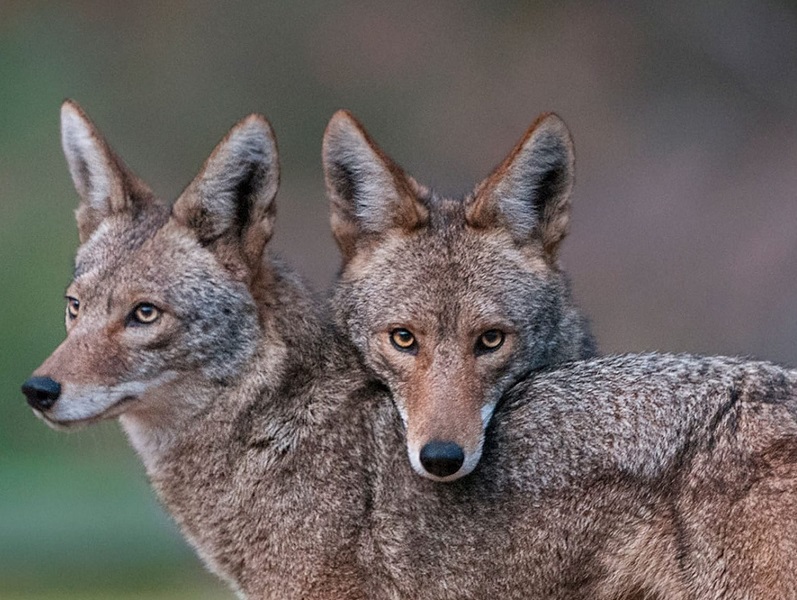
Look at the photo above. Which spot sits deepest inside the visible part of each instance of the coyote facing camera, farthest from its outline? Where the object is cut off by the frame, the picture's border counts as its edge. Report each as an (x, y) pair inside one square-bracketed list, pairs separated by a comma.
[(452, 301), (285, 465)]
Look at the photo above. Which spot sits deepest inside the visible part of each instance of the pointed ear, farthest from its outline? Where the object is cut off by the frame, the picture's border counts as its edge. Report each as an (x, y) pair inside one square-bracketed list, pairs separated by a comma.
[(230, 204), (529, 193), (106, 186), (368, 192)]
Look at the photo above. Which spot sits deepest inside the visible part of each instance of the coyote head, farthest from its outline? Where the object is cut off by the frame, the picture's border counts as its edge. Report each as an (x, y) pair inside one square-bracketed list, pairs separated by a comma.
[(451, 301), (160, 299)]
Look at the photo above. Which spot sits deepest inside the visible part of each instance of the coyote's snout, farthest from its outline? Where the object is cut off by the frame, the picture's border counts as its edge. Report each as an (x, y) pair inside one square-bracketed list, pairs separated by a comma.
[(451, 301)]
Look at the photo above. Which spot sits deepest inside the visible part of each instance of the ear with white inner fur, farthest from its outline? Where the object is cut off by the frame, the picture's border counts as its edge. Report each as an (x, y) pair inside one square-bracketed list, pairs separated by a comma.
[(368, 192), (230, 204), (105, 184), (529, 193)]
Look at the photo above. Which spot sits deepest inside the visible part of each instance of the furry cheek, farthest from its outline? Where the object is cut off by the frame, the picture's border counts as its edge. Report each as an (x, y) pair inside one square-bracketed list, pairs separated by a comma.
[(389, 359)]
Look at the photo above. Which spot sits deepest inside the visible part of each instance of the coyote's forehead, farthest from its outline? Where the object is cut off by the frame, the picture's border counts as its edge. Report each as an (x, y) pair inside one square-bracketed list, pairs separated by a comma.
[(116, 239), (147, 254), (450, 277)]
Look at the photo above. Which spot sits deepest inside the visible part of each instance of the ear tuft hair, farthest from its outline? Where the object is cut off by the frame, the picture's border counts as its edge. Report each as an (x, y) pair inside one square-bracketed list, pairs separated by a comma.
[(369, 194), (105, 185), (231, 200), (529, 193)]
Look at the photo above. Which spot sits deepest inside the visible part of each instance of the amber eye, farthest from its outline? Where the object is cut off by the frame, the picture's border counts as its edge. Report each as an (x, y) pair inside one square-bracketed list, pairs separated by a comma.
[(489, 341), (72, 307), (403, 340), (145, 313)]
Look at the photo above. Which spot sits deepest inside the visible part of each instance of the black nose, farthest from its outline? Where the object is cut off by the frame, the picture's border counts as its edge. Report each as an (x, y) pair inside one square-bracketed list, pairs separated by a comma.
[(442, 458), (42, 392)]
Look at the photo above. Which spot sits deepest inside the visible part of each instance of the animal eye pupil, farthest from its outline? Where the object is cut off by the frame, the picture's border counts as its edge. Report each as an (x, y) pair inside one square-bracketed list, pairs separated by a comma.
[(72, 307), (402, 339), (492, 339), (146, 313)]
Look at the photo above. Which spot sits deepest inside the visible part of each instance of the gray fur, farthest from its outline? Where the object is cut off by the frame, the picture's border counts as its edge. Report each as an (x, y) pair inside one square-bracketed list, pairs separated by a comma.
[(284, 464), (585, 490)]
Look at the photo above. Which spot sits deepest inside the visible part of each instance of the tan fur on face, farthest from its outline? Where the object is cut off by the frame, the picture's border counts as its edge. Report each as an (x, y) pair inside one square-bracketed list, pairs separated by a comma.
[(86, 359), (443, 400), (443, 390)]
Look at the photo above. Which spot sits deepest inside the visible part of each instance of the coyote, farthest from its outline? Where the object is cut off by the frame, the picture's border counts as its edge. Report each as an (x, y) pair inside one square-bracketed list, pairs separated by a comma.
[(449, 301), (284, 463)]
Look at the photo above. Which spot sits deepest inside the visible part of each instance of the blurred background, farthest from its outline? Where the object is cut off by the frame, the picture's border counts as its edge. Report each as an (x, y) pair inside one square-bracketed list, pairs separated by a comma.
[(684, 231)]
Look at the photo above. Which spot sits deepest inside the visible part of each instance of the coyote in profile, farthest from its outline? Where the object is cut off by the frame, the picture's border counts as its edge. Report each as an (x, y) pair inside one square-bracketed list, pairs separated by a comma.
[(284, 463), (449, 301)]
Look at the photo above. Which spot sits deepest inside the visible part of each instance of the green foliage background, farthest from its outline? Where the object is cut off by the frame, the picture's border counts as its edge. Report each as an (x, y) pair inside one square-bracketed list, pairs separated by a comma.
[(685, 221)]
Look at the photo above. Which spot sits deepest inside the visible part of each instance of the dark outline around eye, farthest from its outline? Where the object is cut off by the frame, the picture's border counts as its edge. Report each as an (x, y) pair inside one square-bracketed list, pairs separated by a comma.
[(482, 348), (412, 348), (134, 320), (72, 302)]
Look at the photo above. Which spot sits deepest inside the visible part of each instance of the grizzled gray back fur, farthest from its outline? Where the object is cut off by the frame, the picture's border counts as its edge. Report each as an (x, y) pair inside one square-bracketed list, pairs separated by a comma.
[(623, 477), (636, 476)]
